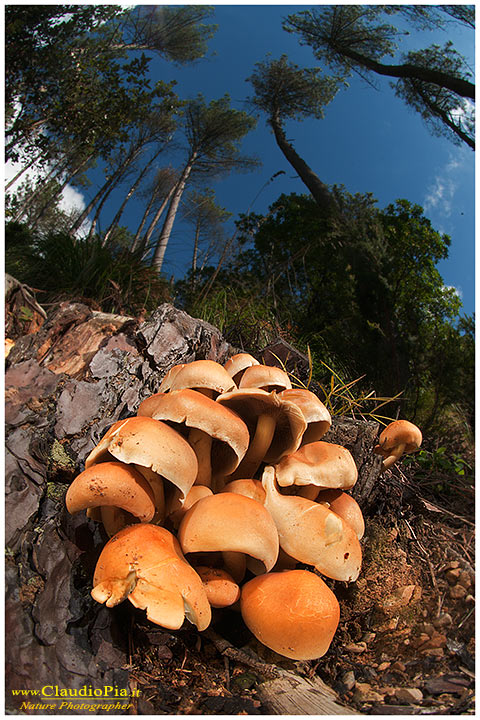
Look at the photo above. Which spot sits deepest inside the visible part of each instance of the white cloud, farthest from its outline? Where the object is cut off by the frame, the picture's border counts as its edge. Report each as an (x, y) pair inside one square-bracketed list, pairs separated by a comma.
[(441, 192)]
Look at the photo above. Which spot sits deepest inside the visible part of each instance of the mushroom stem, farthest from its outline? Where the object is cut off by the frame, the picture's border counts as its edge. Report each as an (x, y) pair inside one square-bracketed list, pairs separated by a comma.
[(156, 483), (235, 563), (257, 450), (395, 455), (202, 445), (113, 519)]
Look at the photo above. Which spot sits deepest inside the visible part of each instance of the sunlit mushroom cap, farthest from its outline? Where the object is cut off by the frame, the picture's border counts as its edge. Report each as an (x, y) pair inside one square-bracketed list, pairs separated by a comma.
[(312, 533), (169, 377), (250, 403), (149, 443), (250, 488), (220, 587), (400, 432), (237, 364), (202, 375), (346, 506), (316, 414), (266, 377), (326, 465), (194, 410), (177, 506), (230, 523), (112, 484), (293, 613), (145, 563)]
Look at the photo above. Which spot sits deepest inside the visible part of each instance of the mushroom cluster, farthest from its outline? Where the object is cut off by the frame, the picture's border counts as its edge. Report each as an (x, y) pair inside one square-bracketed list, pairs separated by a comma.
[(214, 493)]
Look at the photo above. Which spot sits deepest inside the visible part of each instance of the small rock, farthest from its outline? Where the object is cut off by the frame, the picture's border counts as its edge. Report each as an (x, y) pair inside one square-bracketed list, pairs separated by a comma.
[(452, 576), (469, 599), (383, 666), (452, 565), (398, 666), (433, 652), (364, 693), (359, 647), (457, 592), (348, 680), (369, 637), (392, 624), (409, 695), (436, 641), (465, 579), (428, 629), (443, 620)]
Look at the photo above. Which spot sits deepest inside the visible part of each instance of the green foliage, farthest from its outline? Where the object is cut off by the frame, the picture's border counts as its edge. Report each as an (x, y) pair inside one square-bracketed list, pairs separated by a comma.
[(284, 90), (214, 131), (62, 267), (245, 321), (365, 295)]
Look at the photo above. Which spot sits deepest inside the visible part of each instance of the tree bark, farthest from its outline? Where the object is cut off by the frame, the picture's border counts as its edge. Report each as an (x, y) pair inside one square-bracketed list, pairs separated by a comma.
[(461, 87), (164, 237), (319, 190)]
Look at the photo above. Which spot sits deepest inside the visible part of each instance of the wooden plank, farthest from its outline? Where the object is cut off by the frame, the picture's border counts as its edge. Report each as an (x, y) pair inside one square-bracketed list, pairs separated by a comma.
[(291, 694)]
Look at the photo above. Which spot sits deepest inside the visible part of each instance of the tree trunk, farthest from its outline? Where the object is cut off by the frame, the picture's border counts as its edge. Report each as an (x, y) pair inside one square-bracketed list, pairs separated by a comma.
[(319, 190), (461, 87), (106, 187), (164, 237), (195, 255), (156, 218), (129, 194)]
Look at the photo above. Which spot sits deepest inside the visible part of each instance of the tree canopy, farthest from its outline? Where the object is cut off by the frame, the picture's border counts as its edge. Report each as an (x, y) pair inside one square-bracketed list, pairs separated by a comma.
[(435, 81)]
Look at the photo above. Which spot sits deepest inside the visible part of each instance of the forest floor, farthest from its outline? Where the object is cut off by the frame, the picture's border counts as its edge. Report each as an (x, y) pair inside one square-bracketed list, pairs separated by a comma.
[(405, 643)]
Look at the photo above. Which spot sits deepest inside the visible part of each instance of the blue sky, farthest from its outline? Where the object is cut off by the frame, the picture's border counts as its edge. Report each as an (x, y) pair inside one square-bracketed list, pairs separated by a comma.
[(369, 141)]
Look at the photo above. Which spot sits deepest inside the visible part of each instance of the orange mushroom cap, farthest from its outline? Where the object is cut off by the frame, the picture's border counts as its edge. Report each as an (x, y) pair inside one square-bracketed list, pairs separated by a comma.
[(292, 612), (145, 564)]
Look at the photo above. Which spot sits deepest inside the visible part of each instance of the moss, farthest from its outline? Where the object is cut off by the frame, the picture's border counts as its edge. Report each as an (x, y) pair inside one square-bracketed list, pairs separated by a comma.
[(59, 456), (55, 491)]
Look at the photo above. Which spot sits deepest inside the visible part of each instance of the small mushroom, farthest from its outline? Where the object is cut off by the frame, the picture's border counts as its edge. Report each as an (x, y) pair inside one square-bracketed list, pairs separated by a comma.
[(205, 376), (322, 464), (237, 364), (111, 486), (276, 426), (312, 533), (217, 435), (399, 437), (220, 587), (145, 564), (265, 377), (317, 417), (293, 613), (346, 507), (230, 523), (176, 507)]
